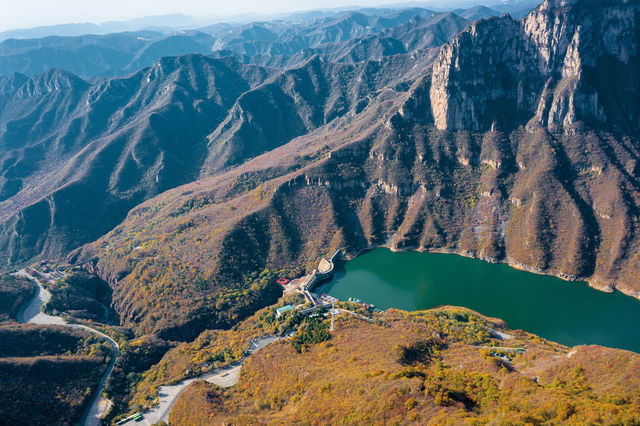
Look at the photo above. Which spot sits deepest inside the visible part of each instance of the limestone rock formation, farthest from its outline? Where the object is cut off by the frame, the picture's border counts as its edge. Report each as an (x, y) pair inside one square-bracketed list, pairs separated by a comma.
[(560, 65)]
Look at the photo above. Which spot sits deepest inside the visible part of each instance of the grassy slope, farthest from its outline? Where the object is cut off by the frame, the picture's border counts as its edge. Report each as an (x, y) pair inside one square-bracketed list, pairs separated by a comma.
[(356, 377)]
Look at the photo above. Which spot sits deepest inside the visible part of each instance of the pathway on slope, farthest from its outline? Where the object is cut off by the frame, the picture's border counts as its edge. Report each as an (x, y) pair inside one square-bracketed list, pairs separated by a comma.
[(32, 314), (355, 314), (225, 377), (502, 348), (32, 311)]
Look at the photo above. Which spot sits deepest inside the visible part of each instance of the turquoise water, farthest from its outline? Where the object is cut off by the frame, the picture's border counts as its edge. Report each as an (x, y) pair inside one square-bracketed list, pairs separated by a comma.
[(571, 313)]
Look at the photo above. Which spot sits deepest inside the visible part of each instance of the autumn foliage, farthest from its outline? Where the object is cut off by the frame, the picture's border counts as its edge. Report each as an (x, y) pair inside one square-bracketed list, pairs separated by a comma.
[(422, 367)]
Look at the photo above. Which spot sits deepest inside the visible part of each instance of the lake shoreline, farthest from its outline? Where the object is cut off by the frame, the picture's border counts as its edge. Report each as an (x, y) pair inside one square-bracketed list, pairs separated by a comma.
[(537, 302), (591, 281)]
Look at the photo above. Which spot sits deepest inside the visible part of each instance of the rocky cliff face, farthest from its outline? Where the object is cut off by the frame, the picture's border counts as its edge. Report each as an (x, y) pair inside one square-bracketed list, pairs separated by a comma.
[(547, 69), (76, 155), (541, 171)]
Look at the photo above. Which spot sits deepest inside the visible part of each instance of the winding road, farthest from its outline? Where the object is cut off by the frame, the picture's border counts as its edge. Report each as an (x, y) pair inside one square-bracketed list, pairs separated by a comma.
[(225, 377), (32, 314), (32, 311)]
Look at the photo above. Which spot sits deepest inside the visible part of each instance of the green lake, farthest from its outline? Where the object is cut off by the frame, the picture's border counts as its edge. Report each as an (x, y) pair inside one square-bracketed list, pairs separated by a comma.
[(571, 313)]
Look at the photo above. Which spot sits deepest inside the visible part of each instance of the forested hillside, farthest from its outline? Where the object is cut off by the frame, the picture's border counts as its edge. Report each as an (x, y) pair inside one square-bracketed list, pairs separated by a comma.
[(162, 185), (558, 197)]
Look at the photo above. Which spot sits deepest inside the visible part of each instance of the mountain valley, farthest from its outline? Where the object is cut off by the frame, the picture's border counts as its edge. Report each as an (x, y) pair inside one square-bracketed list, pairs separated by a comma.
[(175, 180), (558, 198)]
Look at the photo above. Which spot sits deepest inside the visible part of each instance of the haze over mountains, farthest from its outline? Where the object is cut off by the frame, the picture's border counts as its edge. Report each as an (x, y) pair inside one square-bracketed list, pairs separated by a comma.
[(163, 23), (112, 49), (278, 43), (78, 154), (94, 138), (187, 169), (173, 21)]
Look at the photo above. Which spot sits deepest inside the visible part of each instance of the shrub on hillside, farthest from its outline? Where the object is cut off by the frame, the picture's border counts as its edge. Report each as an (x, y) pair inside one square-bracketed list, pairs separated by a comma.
[(421, 351), (313, 330), (14, 293)]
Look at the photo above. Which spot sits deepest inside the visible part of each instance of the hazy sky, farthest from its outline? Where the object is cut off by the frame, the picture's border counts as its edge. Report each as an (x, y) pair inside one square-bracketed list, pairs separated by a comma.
[(32, 13)]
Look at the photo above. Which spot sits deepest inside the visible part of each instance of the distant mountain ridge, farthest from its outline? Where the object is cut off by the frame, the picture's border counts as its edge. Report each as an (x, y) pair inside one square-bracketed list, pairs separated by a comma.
[(177, 22), (444, 162), (161, 23), (271, 43), (505, 143)]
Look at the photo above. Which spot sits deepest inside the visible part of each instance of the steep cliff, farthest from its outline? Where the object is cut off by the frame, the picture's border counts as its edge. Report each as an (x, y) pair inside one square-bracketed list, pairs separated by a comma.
[(560, 197), (564, 63)]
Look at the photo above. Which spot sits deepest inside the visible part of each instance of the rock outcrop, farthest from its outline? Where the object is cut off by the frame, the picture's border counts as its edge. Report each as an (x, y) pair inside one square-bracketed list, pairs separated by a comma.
[(561, 64), (541, 171)]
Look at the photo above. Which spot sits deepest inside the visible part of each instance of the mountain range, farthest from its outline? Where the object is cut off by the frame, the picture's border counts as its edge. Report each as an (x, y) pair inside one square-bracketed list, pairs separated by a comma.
[(346, 36), (177, 173), (179, 22), (120, 49), (505, 143), (508, 144), (110, 143)]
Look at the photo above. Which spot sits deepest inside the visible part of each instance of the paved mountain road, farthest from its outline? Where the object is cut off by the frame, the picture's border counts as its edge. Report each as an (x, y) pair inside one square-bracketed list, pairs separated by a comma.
[(225, 377), (32, 311), (32, 314)]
